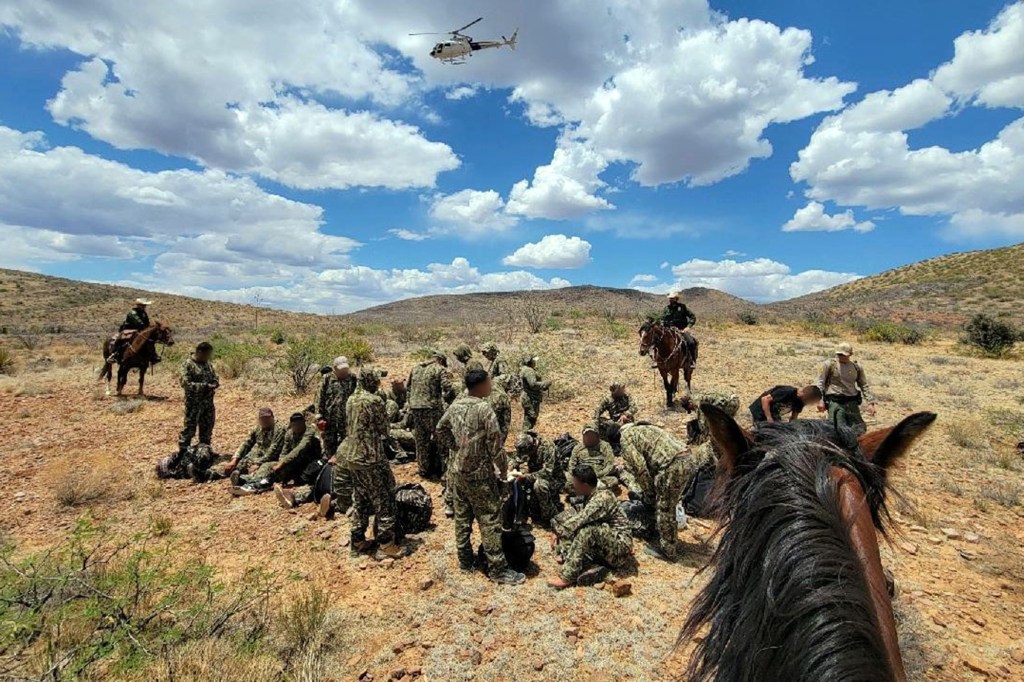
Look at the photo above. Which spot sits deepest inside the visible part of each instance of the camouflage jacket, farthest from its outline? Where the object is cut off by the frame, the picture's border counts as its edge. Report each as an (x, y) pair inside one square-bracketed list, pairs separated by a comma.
[(366, 429), (677, 315), (616, 407), (600, 507), (135, 319), (497, 367), (471, 429), (600, 458), (304, 447), (429, 386), (544, 463), (533, 386), (196, 378), (727, 402), (332, 396), (400, 397), (502, 406), (648, 449), (262, 445)]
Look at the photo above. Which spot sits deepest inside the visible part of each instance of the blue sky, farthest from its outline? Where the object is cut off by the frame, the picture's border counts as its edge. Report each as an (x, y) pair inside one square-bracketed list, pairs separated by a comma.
[(322, 160)]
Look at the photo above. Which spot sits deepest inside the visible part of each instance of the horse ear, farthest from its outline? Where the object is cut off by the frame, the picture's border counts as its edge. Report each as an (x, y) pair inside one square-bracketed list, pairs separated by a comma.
[(731, 442), (884, 446)]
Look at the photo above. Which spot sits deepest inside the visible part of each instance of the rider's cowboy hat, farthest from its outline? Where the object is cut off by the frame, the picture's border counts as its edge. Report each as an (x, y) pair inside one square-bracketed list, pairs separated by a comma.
[(143, 301), (673, 296)]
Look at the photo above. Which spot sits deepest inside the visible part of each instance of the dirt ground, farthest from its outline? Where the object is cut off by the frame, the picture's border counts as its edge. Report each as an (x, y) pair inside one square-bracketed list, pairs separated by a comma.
[(958, 558)]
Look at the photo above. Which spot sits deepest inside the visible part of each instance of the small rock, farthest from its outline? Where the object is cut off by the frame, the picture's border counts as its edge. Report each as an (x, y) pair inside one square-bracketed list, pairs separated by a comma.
[(976, 666), (621, 588), (979, 621), (572, 632), (366, 675), (539, 664), (19, 495), (399, 647), (571, 640), (387, 563), (355, 659), (414, 672), (1017, 655), (973, 598), (483, 610), (974, 629), (598, 586), (939, 620), (426, 584), (475, 657), (909, 547), (934, 540), (951, 533), (363, 564), (972, 537), (967, 554)]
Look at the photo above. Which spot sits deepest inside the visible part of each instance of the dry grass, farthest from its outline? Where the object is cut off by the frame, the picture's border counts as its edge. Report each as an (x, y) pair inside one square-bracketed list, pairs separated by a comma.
[(1005, 494), (130, 406), (968, 433)]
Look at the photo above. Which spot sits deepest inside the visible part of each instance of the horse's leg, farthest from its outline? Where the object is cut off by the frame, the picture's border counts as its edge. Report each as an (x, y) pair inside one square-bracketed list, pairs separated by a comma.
[(675, 381), (669, 393), (122, 378), (142, 379), (687, 375)]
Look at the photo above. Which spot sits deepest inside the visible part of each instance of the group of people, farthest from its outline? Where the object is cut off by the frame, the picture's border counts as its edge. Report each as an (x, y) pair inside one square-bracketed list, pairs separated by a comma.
[(454, 418)]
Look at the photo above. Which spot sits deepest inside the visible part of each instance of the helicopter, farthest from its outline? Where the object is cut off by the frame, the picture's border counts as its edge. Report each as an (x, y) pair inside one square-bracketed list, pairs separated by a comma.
[(456, 49)]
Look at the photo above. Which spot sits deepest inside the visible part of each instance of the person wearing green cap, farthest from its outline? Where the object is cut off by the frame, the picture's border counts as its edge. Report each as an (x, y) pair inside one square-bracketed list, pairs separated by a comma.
[(597, 454), (536, 464), (844, 387), (617, 408)]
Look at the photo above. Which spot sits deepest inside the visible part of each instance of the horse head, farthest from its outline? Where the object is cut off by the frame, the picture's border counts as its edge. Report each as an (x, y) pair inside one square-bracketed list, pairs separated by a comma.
[(163, 333), (799, 507), (648, 335)]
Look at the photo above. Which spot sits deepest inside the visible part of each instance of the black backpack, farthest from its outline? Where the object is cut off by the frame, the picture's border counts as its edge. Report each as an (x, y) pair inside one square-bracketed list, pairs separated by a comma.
[(695, 496), (324, 483), (517, 541), (414, 508), (640, 518), (564, 445)]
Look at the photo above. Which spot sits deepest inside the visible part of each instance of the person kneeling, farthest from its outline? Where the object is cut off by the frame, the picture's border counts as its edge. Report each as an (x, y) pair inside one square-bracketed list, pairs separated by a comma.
[(594, 537)]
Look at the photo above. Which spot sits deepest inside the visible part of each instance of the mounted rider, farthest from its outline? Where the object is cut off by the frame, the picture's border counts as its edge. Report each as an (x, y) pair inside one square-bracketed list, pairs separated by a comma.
[(135, 321), (677, 315)]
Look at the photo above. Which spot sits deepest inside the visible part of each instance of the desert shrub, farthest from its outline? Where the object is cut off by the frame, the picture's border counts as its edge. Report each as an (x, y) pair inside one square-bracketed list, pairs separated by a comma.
[(747, 317), (532, 314), (30, 338), (123, 407), (967, 433), (1005, 494), (300, 363), (233, 360), (553, 323), (6, 361), (620, 330), (93, 607), (357, 349), (786, 351), (303, 620), (817, 325), (277, 337), (893, 332), (990, 335)]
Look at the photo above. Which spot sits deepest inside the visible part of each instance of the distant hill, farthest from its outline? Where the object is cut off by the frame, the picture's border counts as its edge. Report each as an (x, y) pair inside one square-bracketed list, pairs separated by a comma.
[(585, 300), (942, 291), (30, 300)]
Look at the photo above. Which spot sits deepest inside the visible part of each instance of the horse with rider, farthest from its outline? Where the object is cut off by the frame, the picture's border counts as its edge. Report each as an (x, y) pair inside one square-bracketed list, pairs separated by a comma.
[(134, 346), (667, 339)]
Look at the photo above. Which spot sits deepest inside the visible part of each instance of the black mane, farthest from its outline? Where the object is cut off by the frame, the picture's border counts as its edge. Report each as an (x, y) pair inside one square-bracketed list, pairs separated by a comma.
[(787, 599)]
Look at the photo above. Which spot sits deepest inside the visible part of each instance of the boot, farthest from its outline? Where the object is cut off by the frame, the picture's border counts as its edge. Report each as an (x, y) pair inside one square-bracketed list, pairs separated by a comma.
[(196, 474), (324, 508), (390, 550), (286, 498), (592, 576), (559, 583), (359, 545), (236, 478), (507, 577)]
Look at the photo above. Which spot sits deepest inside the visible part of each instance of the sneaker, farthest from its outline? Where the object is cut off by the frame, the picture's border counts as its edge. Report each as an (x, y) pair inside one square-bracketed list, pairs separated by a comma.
[(592, 576), (324, 508), (449, 511), (236, 477), (251, 488), (507, 577), (359, 547), (285, 498)]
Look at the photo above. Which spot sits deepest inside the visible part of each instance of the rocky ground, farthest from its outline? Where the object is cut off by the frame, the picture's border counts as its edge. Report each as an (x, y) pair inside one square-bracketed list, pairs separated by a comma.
[(958, 557)]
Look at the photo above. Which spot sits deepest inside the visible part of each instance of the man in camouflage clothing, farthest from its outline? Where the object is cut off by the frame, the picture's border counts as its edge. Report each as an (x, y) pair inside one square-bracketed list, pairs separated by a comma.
[(462, 354), (199, 380), (533, 392), (596, 454), (538, 466), (429, 388), (301, 450), (697, 429), (398, 394), (257, 453), (596, 533), (373, 484), (334, 391), (661, 466), (614, 410), (475, 471)]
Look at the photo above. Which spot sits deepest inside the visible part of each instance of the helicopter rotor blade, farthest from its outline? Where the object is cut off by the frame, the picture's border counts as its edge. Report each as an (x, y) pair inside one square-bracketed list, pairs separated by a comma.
[(472, 23), (428, 34)]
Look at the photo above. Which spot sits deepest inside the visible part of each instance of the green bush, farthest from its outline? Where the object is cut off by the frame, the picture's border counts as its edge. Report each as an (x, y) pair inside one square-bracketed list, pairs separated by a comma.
[(892, 332), (747, 317), (6, 361), (990, 335), (232, 360), (303, 357)]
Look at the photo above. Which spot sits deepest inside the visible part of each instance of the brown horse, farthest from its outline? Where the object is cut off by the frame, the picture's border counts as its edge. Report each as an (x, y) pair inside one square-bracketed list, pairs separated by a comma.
[(668, 348), (140, 354), (797, 590)]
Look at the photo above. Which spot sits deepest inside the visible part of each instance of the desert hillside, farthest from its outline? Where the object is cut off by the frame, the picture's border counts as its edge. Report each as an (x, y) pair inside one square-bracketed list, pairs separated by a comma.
[(943, 291)]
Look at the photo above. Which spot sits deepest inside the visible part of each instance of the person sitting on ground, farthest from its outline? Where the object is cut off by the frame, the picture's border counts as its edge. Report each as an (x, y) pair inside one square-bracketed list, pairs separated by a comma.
[(844, 386), (301, 449), (598, 533), (398, 393), (775, 403), (536, 464), (662, 466), (257, 453), (615, 409), (598, 455)]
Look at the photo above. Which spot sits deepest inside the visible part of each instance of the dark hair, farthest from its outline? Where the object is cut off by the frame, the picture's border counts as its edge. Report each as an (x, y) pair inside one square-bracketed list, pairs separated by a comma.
[(584, 473), (296, 417), (475, 377), (204, 347), (813, 391)]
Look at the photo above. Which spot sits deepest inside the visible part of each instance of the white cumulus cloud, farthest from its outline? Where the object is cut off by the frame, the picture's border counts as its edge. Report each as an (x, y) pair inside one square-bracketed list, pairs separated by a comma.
[(554, 251), (813, 218), (761, 279), (471, 212)]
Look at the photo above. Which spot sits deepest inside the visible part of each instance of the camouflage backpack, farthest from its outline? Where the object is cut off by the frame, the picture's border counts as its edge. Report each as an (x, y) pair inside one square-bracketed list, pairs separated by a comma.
[(200, 456), (414, 508), (511, 383)]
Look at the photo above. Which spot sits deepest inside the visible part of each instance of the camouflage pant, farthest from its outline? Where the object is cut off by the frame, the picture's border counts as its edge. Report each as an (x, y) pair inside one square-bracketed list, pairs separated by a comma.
[(669, 484), (594, 544), (847, 415), (200, 416), (478, 498), (531, 411), (331, 438), (403, 438), (429, 457), (342, 487), (545, 502), (373, 489)]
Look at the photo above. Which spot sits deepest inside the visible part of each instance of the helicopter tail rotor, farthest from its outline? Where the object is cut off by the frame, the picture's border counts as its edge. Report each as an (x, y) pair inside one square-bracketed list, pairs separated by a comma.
[(511, 42)]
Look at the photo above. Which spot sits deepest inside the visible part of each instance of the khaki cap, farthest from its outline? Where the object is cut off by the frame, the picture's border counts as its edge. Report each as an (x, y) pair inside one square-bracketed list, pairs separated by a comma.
[(340, 362), (844, 349)]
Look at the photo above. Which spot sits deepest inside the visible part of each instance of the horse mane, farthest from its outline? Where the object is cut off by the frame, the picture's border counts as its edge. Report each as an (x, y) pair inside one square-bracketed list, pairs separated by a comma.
[(787, 599)]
